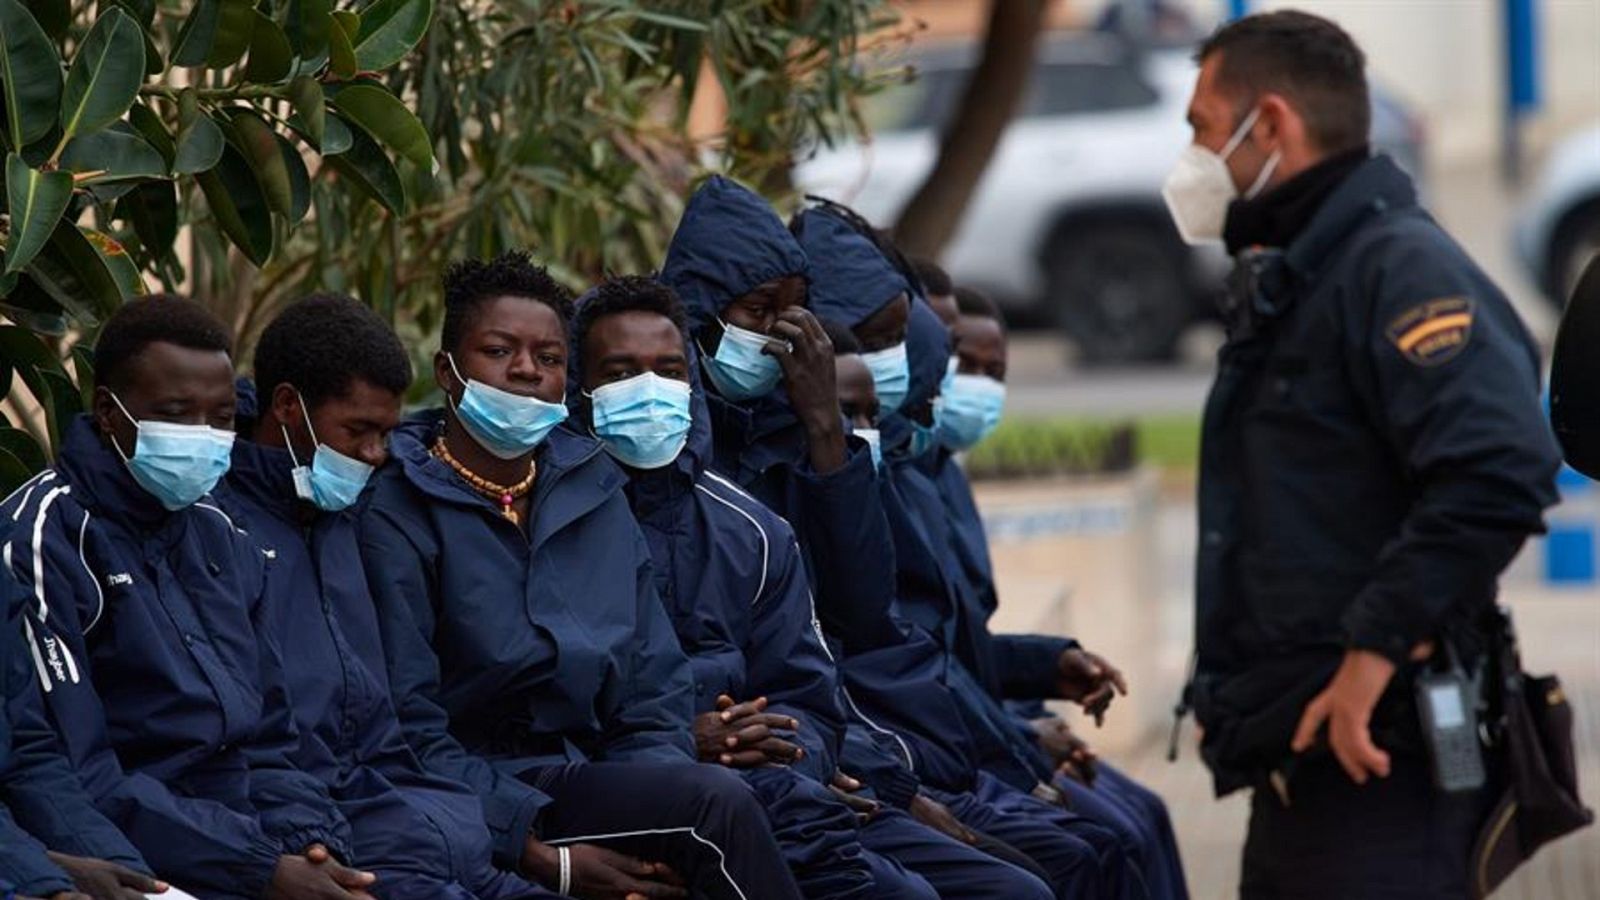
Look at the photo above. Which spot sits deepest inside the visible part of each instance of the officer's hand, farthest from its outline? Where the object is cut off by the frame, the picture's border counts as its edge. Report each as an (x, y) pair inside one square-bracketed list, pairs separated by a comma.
[(743, 735), (601, 874), (1346, 704), (808, 377), (1089, 681), (844, 787), (104, 880), (937, 816), (303, 877)]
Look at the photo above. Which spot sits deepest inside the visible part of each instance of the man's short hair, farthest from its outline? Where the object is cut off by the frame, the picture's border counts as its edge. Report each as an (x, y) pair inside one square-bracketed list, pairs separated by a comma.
[(935, 280), (137, 324), (470, 283), (324, 343), (971, 302), (845, 342), (1306, 58), (627, 293)]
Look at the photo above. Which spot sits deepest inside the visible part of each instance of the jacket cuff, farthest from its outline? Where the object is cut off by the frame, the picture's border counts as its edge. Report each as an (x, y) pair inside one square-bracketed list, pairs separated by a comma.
[(510, 843), (42, 881), (295, 842), (1366, 629), (1029, 664)]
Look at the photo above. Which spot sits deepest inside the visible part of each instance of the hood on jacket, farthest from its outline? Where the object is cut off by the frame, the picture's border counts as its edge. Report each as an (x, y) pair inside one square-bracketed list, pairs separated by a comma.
[(928, 353), (850, 277), (728, 242)]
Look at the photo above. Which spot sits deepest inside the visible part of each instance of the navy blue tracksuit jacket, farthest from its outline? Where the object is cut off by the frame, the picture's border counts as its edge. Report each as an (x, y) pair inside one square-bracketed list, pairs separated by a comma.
[(42, 804), (161, 676), (422, 834), (497, 666)]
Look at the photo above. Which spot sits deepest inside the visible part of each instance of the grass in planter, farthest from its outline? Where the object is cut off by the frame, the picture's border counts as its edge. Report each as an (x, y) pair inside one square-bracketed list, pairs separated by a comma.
[(1030, 447)]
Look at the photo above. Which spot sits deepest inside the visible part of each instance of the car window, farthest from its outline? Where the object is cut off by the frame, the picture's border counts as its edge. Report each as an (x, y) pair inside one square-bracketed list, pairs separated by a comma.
[(1056, 89)]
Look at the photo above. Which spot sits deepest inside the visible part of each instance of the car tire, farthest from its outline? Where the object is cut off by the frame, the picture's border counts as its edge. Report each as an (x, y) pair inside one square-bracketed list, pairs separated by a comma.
[(1576, 239), (1119, 290)]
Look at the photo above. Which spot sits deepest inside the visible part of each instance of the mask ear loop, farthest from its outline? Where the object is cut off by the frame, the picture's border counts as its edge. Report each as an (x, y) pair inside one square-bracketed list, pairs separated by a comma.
[(135, 422), (1240, 133), (310, 429)]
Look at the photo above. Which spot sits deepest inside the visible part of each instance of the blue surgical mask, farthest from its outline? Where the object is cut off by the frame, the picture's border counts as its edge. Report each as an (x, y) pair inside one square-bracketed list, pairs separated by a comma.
[(176, 464), (739, 368), (874, 444), (333, 481), (969, 408), (923, 438), (505, 424), (644, 420), (891, 376)]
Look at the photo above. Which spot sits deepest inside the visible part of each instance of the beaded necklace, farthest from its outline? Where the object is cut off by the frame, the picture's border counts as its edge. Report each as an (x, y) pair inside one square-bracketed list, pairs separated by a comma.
[(502, 494)]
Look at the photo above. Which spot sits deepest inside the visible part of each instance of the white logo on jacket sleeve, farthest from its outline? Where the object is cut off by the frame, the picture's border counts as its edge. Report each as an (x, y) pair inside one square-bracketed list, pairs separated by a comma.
[(118, 578), (52, 657)]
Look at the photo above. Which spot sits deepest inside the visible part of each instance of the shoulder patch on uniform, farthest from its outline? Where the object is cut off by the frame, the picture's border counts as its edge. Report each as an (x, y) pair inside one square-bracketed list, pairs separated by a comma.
[(1434, 332)]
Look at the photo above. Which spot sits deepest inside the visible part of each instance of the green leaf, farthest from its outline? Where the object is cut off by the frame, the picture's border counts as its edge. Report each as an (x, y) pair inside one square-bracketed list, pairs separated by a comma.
[(338, 138), (75, 275), (387, 119), (341, 46), (105, 74), (238, 204), (152, 210), (271, 57), (28, 305), (22, 446), (36, 200), (29, 355), (14, 472), (199, 143), (199, 31), (63, 403), (150, 126), (119, 153), (389, 29), (259, 144), (117, 259), (83, 371), (31, 73), (366, 166), (236, 22), (299, 180), (307, 23), (306, 98)]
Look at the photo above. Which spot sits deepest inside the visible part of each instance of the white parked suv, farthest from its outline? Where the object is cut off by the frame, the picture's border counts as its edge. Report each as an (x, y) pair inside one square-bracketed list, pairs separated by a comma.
[(1067, 226), (1558, 229)]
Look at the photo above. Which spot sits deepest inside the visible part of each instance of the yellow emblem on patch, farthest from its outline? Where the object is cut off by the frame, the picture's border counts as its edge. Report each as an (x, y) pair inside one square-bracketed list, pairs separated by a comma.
[(1435, 332)]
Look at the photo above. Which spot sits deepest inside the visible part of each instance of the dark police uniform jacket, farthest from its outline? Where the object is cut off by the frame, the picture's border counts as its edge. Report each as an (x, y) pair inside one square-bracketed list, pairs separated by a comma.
[(1373, 455)]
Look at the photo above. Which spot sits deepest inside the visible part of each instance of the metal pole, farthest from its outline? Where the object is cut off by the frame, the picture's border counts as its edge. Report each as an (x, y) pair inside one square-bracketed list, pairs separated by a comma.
[(1238, 9), (1522, 82)]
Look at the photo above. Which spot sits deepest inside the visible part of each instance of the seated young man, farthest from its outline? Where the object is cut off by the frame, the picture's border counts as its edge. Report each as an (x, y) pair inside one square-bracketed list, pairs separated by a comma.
[(53, 842), (528, 653), (778, 434), (330, 375), (730, 574), (971, 403), (165, 689)]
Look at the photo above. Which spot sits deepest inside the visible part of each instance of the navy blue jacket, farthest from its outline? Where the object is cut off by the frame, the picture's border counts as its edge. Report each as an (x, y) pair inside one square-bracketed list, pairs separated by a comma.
[(165, 687), (1373, 455), (320, 605), (729, 242), (729, 573), (851, 279), (510, 651), (42, 804)]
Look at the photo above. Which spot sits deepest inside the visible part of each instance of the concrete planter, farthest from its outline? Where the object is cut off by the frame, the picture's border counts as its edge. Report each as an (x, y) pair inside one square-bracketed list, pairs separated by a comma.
[(1078, 557)]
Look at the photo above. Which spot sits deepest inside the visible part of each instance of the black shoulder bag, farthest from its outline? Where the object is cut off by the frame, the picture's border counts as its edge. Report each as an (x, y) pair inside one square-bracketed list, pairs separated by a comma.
[(1529, 729)]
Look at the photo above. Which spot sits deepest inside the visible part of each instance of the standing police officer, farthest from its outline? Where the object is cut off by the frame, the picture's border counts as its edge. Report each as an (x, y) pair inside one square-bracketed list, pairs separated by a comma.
[(1374, 454)]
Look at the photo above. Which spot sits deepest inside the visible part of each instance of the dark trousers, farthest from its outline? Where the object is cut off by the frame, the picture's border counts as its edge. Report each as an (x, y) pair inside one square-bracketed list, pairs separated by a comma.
[(1395, 838), (1120, 876), (952, 868), (1072, 866), (701, 820), (1139, 820)]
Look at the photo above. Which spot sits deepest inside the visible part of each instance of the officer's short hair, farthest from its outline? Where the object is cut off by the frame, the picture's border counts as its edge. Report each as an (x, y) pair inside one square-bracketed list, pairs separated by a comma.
[(627, 293), (158, 318), (1307, 59), (470, 283), (323, 343), (972, 302)]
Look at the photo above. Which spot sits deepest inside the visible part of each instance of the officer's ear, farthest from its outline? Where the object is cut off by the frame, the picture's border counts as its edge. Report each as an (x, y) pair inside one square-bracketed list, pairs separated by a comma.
[(1280, 124), (1575, 376)]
